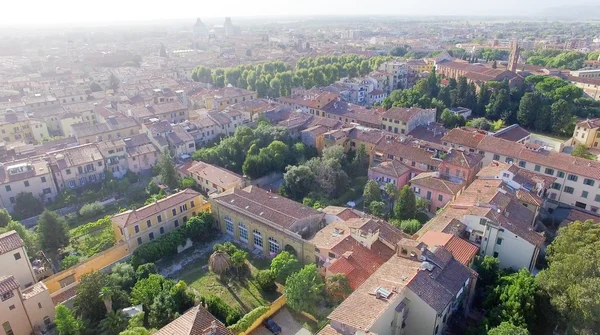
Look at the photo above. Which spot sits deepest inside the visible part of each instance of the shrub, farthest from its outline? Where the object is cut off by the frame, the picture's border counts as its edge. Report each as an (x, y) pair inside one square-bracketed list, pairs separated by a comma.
[(220, 310), (265, 279), (69, 261), (91, 209), (244, 323)]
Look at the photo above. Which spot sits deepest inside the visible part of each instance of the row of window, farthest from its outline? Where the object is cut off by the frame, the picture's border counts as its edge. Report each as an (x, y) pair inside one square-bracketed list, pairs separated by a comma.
[(428, 196), (549, 171), (257, 236), (26, 183)]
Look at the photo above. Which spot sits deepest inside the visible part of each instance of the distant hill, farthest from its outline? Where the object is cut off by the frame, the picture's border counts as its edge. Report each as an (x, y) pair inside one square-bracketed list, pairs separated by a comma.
[(588, 12)]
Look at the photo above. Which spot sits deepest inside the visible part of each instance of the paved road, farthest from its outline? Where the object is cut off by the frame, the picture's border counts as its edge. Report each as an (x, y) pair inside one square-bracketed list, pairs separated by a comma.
[(289, 326)]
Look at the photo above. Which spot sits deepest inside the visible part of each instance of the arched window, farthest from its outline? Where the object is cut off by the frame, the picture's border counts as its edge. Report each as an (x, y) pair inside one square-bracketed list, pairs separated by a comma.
[(243, 232), (258, 240), (273, 245), (228, 225)]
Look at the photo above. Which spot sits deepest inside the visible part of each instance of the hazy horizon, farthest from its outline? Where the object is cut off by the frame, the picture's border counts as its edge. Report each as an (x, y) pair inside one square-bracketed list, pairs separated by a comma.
[(60, 12)]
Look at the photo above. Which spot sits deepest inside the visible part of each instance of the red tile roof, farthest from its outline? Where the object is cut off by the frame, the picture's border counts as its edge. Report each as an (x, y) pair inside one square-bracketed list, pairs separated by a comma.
[(10, 241), (463, 251), (196, 321), (8, 284)]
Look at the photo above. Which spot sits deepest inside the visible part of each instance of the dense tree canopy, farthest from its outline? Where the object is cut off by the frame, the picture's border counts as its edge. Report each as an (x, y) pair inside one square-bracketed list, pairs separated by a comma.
[(304, 289), (53, 232), (572, 279)]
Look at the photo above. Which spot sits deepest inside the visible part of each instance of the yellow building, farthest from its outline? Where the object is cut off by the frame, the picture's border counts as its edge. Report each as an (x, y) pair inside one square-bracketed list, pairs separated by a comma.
[(26, 305), (211, 178), (400, 120), (142, 225), (17, 127), (114, 128), (267, 222), (586, 133), (226, 96)]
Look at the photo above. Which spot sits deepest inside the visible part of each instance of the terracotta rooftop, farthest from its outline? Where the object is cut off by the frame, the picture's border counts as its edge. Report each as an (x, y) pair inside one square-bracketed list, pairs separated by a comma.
[(10, 241), (278, 210), (213, 174), (34, 290), (8, 284), (196, 321), (361, 309), (391, 168), (432, 181), (405, 114), (464, 137), (463, 251)]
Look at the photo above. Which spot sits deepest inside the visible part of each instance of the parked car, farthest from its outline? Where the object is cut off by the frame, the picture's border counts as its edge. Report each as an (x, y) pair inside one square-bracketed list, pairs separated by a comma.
[(272, 326)]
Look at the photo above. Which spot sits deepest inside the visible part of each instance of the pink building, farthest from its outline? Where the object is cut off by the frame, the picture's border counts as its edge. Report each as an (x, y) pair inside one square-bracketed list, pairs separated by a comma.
[(461, 165), (437, 191), (390, 172)]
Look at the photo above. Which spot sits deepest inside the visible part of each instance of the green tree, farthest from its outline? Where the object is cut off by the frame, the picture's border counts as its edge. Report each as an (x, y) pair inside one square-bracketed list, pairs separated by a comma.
[(481, 123), (507, 328), (66, 322), (377, 208), (514, 300), (114, 82), (406, 206), (187, 182), (136, 331), (360, 163), (5, 218), (107, 294), (581, 150), (146, 289), (123, 275), (69, 261), (95, 87), (30, 238), (27, 205), (304, 289), (114, 323), (408, 226), (88, 303), (168, 172), (283, 265), (488, 268), (392, 193), (337, 288), (145, 270), (265, 279), (528, 107), (562, 116), (572, 279), (371, 192), (162, 310), (53, 232), (298, 181)]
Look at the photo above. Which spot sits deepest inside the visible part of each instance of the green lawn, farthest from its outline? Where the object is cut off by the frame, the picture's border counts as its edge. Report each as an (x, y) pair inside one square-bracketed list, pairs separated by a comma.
[(241, 292)]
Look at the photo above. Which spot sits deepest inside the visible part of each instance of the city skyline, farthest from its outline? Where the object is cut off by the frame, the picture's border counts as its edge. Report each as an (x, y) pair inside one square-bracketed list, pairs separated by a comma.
[(70, 11)]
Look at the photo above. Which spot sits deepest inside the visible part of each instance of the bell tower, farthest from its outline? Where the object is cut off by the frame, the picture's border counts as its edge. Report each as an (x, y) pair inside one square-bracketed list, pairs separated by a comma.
[(514, 56)]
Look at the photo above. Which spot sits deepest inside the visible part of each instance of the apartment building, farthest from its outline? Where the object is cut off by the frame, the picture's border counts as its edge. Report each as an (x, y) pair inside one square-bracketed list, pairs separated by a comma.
[(173, 112), (77, 166), (586, 133), (389, 172), (593, 74), (436, 191), (38, 101), (577, 179), (138, 226), (29, 176), (399, 120), (397, 74), (17, 127), (266, 222), (221, 98), (490, 214), (211, 178), (115, 157), (26, 305), (142, 155), (417, 291), (115, 127)]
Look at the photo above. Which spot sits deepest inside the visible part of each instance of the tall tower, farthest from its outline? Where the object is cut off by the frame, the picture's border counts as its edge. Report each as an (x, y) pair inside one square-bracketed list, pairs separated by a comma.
[(514, 56)]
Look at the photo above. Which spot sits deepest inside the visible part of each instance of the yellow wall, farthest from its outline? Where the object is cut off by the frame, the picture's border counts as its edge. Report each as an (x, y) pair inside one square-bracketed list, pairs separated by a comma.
[(95, 263), (167, 222), (304, 249), (274, 308)]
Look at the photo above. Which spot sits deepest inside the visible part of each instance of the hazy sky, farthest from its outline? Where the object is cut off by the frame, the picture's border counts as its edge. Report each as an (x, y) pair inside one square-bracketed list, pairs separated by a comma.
[(75, 11)]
